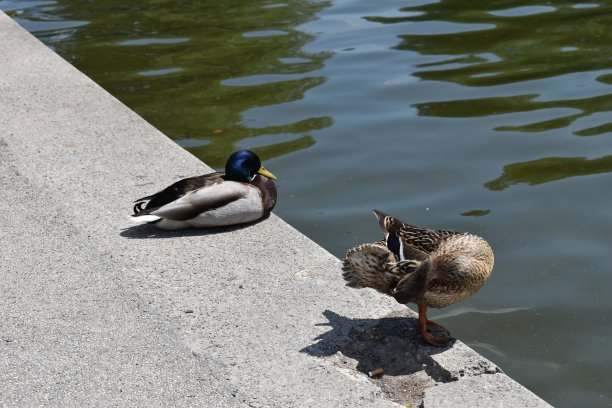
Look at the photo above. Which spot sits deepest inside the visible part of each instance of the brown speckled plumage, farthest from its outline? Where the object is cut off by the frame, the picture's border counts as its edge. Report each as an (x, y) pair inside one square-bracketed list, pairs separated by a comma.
[(432, 268)]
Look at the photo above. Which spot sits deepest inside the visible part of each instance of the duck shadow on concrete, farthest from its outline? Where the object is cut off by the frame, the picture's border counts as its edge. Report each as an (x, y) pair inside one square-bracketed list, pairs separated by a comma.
[(148, 231), (391, 342)]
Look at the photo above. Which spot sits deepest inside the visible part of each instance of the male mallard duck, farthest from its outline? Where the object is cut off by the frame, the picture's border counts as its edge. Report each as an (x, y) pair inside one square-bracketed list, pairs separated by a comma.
[(243, 193), (434, 268)]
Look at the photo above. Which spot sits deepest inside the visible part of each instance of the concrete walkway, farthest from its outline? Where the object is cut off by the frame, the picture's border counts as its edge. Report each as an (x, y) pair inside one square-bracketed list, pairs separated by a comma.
[(97, 311)]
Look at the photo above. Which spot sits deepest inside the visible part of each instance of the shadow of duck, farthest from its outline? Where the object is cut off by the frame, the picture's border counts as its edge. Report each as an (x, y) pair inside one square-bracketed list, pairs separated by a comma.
[(392, 343), (146, 231)]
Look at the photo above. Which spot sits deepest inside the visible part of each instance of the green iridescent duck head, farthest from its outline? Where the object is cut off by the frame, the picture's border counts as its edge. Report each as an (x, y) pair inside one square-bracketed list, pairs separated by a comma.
[(244, 165)]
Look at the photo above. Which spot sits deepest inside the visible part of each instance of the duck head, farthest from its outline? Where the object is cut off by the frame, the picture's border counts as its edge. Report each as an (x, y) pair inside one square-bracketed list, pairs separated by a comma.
[(243, 165)]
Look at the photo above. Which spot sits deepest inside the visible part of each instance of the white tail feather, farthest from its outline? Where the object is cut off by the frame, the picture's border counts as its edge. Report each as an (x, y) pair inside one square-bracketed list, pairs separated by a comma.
[(145, 218)]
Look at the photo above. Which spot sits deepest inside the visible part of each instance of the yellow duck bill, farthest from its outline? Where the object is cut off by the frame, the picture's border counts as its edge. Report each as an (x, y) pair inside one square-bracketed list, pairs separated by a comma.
[(262, 170)]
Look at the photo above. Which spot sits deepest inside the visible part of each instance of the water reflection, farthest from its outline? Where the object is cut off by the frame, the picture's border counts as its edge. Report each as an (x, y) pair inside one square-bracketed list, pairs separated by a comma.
[(476, 213), (549, 169), (528, 45), (517, 40), (564, 112), (198, 59)]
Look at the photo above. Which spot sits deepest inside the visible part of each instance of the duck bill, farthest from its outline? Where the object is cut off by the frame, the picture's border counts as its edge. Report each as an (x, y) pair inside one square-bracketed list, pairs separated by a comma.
[(266, 173)]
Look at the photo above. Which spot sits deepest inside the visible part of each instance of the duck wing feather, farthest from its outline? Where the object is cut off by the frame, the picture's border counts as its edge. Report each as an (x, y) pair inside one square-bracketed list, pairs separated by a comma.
[(195, 202), (175, 191), (417, 242)]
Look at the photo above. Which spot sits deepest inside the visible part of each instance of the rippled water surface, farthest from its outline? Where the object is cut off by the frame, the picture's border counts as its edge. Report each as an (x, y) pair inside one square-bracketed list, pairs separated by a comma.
[(489, 116)]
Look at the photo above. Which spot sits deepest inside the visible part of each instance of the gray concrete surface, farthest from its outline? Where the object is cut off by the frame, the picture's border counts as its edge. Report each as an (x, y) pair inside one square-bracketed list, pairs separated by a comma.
[(485, 391), (96, 311)]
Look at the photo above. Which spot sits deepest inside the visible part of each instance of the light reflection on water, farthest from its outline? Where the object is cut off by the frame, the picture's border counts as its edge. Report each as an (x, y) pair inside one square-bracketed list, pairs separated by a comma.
[(522, 11), (151, 41), (479, 116), (461, 310)]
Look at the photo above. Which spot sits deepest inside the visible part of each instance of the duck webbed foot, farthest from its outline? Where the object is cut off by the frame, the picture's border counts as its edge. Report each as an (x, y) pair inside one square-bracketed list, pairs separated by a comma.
[(426, 327), (436, 341), (433, 326)]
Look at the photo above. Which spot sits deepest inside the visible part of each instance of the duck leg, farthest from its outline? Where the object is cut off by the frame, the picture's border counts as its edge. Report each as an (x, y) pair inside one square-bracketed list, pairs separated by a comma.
[(425, 328)]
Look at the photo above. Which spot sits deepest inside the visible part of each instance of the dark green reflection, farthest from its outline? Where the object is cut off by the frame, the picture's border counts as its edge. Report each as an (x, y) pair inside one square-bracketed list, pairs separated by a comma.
[(175, 63), (476, 213), (524, 103), (549, 169), (491, 43), (540, 43)]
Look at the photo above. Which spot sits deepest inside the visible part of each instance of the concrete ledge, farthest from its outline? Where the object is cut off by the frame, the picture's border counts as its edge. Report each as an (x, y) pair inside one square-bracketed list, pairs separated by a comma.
[(97, 311), (485, 391)]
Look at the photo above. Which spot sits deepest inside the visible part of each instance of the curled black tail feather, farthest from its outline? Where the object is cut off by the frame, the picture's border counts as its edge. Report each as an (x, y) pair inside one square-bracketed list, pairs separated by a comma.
[(139, 207)]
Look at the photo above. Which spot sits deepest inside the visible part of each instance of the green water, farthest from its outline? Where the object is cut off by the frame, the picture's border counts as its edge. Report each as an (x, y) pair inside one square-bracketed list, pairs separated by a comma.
[(488, 116)]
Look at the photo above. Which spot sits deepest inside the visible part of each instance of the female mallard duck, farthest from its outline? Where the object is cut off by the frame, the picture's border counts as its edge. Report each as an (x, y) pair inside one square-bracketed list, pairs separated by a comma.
[(434, 268), (244, 193)]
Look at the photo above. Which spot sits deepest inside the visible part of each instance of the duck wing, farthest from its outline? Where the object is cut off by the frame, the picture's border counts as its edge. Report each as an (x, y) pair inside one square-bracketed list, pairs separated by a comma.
[(175, 191), (408, 241), (195, 202)]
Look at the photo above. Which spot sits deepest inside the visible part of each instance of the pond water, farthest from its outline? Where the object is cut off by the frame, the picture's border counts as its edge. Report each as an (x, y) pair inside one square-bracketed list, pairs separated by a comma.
[(487, 116)]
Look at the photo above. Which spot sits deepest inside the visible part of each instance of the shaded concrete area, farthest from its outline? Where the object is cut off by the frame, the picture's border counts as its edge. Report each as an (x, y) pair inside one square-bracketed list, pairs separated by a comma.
[(98, 311), (392, 342)]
